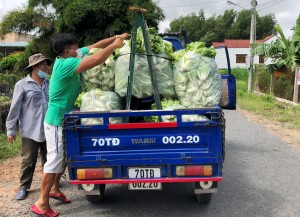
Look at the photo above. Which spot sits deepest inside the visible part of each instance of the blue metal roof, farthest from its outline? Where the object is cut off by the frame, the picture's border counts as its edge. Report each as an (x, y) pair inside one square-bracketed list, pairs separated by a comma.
[(13, 44)]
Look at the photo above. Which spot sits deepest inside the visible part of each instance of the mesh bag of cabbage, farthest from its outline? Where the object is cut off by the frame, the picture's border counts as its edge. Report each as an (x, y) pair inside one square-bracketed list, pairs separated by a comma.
[(197, 81)]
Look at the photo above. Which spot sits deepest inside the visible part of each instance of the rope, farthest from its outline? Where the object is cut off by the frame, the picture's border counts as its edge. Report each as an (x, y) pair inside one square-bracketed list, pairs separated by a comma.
[(153, 55)]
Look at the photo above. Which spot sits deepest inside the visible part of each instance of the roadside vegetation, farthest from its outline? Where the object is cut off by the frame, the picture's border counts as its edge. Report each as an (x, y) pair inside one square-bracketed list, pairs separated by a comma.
[(266, 105), (8, 150)]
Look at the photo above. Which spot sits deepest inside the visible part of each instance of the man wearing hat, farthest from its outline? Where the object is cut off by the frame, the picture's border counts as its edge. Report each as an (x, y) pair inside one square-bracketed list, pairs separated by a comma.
[(28, 109)]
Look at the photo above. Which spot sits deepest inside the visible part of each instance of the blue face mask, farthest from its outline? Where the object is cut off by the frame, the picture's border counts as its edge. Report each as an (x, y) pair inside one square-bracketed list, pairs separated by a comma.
[(42, 74)]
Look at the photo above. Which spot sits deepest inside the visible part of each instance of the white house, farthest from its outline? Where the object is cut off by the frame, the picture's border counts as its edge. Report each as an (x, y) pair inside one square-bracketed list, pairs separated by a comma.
[(239, 52)]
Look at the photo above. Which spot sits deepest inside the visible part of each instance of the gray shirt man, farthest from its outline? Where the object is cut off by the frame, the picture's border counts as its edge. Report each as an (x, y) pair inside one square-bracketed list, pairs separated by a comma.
[(28, 107)]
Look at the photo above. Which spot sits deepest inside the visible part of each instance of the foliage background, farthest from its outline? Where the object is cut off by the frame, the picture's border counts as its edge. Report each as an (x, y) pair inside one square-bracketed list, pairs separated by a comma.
[(230, 25)]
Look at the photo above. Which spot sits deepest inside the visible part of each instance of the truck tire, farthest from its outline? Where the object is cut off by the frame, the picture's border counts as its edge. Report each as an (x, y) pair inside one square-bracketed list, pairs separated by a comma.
[(96, 198), (204, 198)]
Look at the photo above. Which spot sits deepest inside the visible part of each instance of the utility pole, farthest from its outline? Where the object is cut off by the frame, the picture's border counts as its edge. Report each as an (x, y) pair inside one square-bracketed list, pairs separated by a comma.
[(252, 39)]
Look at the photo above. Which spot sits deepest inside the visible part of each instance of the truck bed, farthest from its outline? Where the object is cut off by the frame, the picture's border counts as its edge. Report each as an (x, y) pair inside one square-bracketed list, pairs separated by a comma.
[(154, 144)]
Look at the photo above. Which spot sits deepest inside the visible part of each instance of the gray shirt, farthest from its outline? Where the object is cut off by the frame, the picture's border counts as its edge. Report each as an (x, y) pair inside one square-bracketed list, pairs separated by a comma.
[(28, 106)]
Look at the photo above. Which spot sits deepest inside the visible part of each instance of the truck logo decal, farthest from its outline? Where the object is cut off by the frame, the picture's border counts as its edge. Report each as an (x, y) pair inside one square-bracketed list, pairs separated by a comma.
[(143, 141), (106, 142)]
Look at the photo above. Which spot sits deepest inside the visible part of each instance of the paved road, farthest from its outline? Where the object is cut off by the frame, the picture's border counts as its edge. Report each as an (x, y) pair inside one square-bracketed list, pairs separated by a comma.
[(261, 178)]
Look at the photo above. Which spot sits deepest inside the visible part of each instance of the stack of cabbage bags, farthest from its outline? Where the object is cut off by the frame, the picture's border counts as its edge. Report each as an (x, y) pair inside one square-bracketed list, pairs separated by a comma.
[(101, 76), (98, 100), (197, 79), (162, 64)]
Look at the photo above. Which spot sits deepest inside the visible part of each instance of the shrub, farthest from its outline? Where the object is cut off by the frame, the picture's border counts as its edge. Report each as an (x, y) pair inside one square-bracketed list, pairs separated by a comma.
[(239, 73), (268, 98), (283, 85), (284, 88), (8, 63)]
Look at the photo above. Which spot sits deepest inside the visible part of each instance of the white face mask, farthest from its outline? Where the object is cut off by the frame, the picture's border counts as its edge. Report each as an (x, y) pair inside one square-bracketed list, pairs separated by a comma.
[(79, 53)]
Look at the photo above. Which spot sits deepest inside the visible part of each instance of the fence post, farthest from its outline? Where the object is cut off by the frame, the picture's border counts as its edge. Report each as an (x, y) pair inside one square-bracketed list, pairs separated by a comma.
[(296, 85), (272, 83)]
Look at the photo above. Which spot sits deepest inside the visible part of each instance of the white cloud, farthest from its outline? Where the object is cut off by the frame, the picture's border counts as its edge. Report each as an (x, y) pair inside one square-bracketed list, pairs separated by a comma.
[(8, 5)]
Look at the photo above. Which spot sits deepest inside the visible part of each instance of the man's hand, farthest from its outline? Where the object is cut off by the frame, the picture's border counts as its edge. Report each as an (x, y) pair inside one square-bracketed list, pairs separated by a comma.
[(124, 36), (119, 41), (11, 139)]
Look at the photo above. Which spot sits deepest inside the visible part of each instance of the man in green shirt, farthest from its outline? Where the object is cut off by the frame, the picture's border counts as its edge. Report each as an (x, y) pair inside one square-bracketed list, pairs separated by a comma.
[(63, 90)]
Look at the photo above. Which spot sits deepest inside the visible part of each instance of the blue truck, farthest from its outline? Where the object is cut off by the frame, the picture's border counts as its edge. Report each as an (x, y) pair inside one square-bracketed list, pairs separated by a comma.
[(147, 155)]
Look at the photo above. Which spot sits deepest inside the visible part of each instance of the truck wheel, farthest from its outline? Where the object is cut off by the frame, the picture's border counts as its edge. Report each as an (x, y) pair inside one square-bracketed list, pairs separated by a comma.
[(96, 198), (204, 198)]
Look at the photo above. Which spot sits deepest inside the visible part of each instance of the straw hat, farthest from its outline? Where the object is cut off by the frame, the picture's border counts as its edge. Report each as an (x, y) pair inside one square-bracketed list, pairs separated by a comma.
[(36, 59)]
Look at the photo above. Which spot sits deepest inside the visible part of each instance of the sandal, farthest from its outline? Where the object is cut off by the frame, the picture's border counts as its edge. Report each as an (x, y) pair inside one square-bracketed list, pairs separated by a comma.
[(60, 196), (48, 213)]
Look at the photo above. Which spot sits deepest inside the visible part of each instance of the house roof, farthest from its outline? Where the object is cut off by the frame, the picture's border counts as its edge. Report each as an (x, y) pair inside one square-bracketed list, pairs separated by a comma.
[(238, 43), (13, 44)]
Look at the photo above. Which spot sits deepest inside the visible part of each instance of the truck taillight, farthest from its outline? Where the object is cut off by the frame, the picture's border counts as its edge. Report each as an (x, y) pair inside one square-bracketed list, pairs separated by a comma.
[(94, 173), (194, 170)]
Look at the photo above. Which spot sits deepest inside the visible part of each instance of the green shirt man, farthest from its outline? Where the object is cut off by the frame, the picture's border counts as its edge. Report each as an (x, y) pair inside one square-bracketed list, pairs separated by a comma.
[(64, 88)]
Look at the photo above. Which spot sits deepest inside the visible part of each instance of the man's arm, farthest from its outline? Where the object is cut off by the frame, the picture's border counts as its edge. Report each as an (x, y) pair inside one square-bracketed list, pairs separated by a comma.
[(99, 57), (105, 42), (14, 112)]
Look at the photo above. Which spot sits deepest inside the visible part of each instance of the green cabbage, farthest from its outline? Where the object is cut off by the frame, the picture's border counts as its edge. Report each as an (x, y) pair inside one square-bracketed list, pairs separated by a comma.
[(197, 81), (142, 85), (196, 47), (101, 76), (98, 100)]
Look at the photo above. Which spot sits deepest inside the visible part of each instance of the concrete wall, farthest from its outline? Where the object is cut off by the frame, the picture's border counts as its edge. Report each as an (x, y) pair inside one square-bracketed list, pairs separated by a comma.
[(14, 37)]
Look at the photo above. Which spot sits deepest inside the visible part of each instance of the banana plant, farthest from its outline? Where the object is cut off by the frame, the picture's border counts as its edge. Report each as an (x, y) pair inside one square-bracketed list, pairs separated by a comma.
[(283, 52), (296, 42)]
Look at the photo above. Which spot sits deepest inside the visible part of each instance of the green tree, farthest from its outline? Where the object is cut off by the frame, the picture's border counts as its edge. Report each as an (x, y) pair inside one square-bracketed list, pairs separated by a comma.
[(192, 24), (241, 27), (230, 25), (216, 28), (265, 25), (89, 20)]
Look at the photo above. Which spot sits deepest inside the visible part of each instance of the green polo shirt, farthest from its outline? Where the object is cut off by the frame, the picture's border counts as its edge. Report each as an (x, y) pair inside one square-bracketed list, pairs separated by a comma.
[(64, 88)]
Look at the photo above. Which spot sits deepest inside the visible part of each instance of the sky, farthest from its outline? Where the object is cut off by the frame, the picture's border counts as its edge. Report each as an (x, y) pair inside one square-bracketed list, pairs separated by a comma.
[(286, 11)]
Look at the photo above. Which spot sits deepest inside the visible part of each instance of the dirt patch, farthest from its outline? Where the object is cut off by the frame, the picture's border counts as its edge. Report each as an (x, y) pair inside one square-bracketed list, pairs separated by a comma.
[(290, 136), (9, 185), (9, 169)]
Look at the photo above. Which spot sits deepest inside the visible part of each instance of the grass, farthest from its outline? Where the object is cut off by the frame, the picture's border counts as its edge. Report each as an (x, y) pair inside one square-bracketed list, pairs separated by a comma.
[(8, 150), (267, 106)]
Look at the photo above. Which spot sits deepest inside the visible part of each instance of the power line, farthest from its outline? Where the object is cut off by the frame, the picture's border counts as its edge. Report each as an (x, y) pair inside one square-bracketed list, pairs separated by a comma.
[(270, 2), (243, 3), (220, 27), (271, 5)]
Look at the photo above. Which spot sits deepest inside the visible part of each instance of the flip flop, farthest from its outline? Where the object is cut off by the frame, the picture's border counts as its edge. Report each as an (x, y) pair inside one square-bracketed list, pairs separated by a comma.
[(61, 197), (48, 213)]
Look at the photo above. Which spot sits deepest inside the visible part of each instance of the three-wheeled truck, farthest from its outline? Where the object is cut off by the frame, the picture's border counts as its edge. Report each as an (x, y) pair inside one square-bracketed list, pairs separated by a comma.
[(148, 155)]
